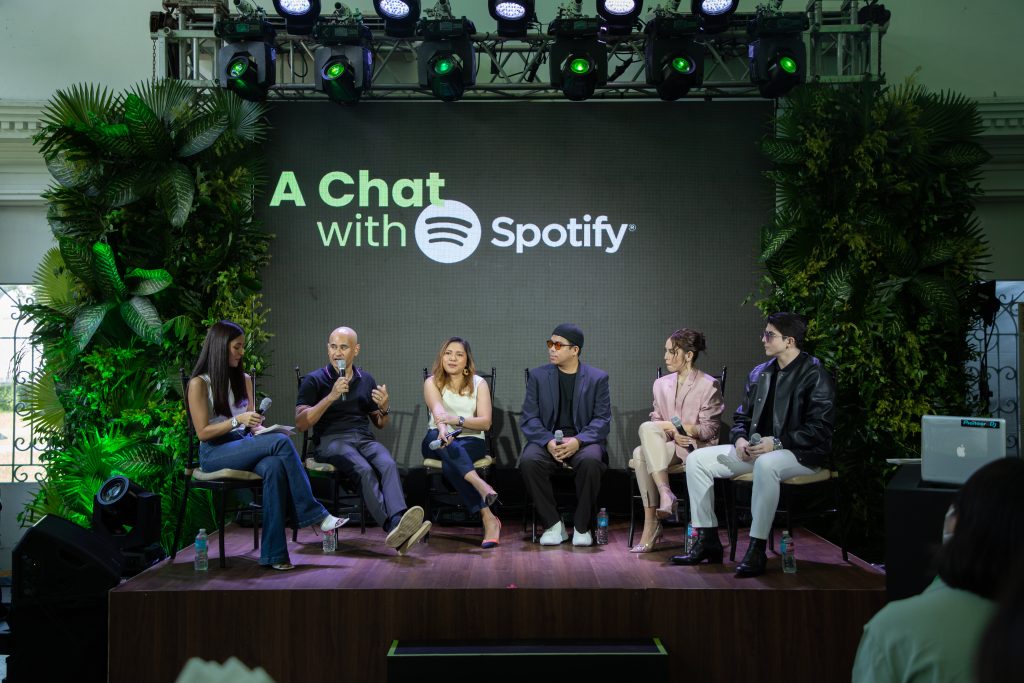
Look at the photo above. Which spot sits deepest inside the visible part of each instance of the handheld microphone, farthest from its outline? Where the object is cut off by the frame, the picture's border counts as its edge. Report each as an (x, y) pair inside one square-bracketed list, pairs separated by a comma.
[(678, 424), (341, 373), (754, 439), (559, 436), (264, 407), (436, 443)]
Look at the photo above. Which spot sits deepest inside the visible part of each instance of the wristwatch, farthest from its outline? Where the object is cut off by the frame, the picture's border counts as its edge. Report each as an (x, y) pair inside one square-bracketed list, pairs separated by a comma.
[(462, 420), (234, 422), (777, 443)]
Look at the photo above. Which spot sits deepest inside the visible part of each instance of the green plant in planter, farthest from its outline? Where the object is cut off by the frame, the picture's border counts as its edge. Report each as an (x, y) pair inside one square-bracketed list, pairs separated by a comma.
[(874, 239), (152, 211)]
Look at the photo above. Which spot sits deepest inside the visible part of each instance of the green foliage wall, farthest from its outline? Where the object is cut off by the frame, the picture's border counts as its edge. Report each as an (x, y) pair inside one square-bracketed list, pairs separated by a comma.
[(152, 213), (874, 238)]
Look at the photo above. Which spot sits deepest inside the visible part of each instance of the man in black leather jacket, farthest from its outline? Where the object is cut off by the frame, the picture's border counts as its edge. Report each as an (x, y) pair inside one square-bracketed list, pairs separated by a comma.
[(782, 429)]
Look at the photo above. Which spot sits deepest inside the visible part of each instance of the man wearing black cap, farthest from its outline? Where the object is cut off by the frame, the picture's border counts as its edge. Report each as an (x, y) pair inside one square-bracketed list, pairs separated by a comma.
[(572, 398)]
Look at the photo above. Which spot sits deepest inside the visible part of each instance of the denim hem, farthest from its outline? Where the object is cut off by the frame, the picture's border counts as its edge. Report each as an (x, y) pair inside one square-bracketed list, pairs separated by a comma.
[(314, 520)]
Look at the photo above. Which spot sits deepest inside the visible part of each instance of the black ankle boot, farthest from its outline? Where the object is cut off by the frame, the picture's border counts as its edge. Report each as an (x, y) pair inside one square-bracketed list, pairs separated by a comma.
[(754, 561), (707, 547)]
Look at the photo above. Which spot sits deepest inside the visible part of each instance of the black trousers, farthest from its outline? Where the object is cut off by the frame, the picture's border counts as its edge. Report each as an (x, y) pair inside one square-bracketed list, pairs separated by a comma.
[(588, 466)]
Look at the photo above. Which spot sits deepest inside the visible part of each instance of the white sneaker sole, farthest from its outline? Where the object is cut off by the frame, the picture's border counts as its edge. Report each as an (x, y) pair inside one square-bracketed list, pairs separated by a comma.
[(407, 526)]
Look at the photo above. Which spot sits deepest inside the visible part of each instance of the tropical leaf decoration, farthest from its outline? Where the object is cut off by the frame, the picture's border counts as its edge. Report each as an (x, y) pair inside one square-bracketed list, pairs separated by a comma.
[(874, 239), (151, 208), (46, 413)]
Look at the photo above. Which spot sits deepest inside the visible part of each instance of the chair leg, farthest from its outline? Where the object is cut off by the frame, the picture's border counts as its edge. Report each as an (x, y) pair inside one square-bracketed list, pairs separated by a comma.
[(221, 505), (533, 520), (255, 525), (181, 520), (632, 510), (731, 518), (842, 521)]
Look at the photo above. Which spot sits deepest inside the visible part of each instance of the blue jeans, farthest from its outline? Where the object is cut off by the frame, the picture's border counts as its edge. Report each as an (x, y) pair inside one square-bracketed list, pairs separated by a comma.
[(456, 462), (274, 458)]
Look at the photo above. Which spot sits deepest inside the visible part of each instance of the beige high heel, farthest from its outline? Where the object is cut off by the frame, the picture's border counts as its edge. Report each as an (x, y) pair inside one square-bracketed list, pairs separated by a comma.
[(658, 536), (669, 510)]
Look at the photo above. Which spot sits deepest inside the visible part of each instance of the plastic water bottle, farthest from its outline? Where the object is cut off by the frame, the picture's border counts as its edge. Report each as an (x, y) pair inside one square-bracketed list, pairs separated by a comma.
[(788, 553), (330, 541), (691, 537), (202, 561), (602, 527)]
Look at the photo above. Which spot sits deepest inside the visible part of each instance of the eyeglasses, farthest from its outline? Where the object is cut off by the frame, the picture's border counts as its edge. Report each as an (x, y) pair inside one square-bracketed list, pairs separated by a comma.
[(558, 346), (768, 335)]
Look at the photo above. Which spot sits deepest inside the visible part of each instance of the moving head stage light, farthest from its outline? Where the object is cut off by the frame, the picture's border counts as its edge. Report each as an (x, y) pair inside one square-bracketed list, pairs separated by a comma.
[(578, 60), (674, 60), (343, 65), (778, 57), (446, 57), (248, 63), (129, 516)]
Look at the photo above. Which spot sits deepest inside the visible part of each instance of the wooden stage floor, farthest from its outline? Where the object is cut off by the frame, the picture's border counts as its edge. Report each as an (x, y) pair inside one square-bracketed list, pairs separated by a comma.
[(334, 617)]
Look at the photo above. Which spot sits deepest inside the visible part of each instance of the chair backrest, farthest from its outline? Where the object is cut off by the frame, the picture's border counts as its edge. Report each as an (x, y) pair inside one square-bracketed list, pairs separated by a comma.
[(306, 435), (192, 454)]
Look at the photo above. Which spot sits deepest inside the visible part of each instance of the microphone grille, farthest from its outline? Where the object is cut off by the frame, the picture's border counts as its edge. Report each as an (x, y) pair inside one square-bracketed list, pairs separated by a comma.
[(265, 403)]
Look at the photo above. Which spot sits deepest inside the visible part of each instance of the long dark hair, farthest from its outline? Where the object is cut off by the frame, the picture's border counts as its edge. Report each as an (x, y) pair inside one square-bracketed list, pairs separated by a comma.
[(989, 528), (441, 379), (213, 361)]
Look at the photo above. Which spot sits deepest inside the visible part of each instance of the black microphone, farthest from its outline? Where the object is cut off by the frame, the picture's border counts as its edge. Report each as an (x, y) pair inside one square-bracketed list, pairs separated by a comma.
[(678, 424), (436, 443), (264, 407), (341, 373)]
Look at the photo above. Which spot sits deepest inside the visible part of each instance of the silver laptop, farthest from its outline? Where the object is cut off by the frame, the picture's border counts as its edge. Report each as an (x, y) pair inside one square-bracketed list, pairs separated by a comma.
[(953, 448)]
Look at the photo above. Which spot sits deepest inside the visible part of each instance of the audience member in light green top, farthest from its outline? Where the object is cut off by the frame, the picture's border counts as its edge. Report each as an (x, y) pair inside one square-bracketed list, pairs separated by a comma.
[(933, 637)]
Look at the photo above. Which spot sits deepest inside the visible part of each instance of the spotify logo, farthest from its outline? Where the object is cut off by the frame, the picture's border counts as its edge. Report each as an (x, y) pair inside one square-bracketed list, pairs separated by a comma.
[(448, 232)]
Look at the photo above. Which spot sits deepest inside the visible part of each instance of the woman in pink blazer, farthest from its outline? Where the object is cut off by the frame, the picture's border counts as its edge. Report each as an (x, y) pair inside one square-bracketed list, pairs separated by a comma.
[(696, 399)]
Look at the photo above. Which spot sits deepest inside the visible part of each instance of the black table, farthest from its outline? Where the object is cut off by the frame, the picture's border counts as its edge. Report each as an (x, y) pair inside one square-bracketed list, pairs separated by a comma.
[(914, 514)]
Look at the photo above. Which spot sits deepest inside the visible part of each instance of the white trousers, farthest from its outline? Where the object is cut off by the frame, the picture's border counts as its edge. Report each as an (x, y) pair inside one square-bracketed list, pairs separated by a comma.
[(704, 465), (654, 454)]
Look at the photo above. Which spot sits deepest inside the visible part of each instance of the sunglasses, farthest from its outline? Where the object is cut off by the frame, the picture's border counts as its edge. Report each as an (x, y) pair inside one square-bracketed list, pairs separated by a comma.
[(558, 346)]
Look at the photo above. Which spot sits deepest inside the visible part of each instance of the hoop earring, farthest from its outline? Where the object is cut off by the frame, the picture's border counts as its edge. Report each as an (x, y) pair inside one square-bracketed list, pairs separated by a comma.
[(465, 371)]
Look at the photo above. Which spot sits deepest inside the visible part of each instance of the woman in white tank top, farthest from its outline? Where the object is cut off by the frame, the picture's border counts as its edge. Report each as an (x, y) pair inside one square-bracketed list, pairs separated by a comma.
[(220, 398), (457, 397)]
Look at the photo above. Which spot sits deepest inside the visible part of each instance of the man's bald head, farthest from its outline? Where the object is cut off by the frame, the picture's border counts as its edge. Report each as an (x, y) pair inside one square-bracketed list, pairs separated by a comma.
[(344, 331)]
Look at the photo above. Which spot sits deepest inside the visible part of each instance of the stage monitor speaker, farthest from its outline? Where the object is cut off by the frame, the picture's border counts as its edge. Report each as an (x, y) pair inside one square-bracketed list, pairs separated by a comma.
[(61, 576), (515, 661)]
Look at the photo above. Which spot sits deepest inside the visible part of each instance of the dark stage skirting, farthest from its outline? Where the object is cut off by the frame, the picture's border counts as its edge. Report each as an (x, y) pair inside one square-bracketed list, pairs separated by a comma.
[(335, 617)]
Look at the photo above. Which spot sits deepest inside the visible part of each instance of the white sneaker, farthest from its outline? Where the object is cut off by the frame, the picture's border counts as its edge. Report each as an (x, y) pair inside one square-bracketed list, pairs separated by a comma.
[(583, 539), (554, 535)]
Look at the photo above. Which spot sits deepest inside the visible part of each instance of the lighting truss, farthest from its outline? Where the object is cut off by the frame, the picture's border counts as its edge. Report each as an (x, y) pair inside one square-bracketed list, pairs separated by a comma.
[(840, 50)]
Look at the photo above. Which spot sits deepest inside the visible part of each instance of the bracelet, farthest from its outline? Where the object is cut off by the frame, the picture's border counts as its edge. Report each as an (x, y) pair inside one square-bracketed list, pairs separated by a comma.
[(777, 443), (383, 412), (462, 420)]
